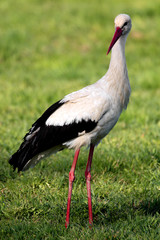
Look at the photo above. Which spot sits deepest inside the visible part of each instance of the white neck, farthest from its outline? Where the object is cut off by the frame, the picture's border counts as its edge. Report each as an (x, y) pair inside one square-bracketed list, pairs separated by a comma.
[(116, 77), (118, 60)]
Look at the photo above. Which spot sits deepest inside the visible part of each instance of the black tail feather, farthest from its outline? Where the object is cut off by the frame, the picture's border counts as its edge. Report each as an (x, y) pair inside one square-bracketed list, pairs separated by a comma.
[(21, 157), (33, 145)]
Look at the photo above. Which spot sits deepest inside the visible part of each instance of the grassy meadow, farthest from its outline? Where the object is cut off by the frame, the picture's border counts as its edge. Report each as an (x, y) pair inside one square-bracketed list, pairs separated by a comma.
[(47, 50)]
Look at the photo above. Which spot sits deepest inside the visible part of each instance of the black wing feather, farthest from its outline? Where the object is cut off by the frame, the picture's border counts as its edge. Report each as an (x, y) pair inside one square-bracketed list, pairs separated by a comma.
[(40, 121), (45, 137)]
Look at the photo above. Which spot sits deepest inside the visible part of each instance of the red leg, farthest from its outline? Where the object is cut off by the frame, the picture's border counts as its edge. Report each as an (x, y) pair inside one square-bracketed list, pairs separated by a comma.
[(88, 183), (71, 179)]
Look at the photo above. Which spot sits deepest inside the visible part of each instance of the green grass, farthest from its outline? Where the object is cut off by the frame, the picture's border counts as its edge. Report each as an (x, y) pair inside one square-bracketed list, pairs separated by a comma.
[(51, 48)]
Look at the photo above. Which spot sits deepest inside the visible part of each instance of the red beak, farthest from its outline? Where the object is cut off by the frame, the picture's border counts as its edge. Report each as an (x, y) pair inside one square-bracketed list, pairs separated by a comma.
[(116, 36)]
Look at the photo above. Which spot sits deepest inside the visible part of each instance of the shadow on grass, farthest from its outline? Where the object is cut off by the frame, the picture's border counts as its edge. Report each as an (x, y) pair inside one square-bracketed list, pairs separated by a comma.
[(111, 215), (150, 207)]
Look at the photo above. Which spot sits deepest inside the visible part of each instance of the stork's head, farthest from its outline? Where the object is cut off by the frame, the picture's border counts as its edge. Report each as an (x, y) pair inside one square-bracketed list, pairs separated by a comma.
[(123, 26)]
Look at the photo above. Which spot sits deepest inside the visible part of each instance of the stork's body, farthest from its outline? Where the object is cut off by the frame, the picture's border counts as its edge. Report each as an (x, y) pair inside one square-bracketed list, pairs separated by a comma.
[(81, 118)]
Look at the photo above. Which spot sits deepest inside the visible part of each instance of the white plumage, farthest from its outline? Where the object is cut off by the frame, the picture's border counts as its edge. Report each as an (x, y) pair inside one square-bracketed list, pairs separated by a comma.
[(83, 117)]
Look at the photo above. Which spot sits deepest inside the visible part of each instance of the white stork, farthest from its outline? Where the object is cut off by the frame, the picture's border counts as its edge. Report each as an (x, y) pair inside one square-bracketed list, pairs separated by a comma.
[(81, 118)]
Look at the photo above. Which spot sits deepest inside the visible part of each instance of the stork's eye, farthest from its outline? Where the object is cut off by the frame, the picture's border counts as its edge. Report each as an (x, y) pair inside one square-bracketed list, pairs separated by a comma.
[(125, 24)]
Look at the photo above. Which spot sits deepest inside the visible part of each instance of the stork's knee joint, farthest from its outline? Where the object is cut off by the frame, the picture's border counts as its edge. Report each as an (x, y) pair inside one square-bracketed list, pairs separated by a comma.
[(71, 176), (88, 176)]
